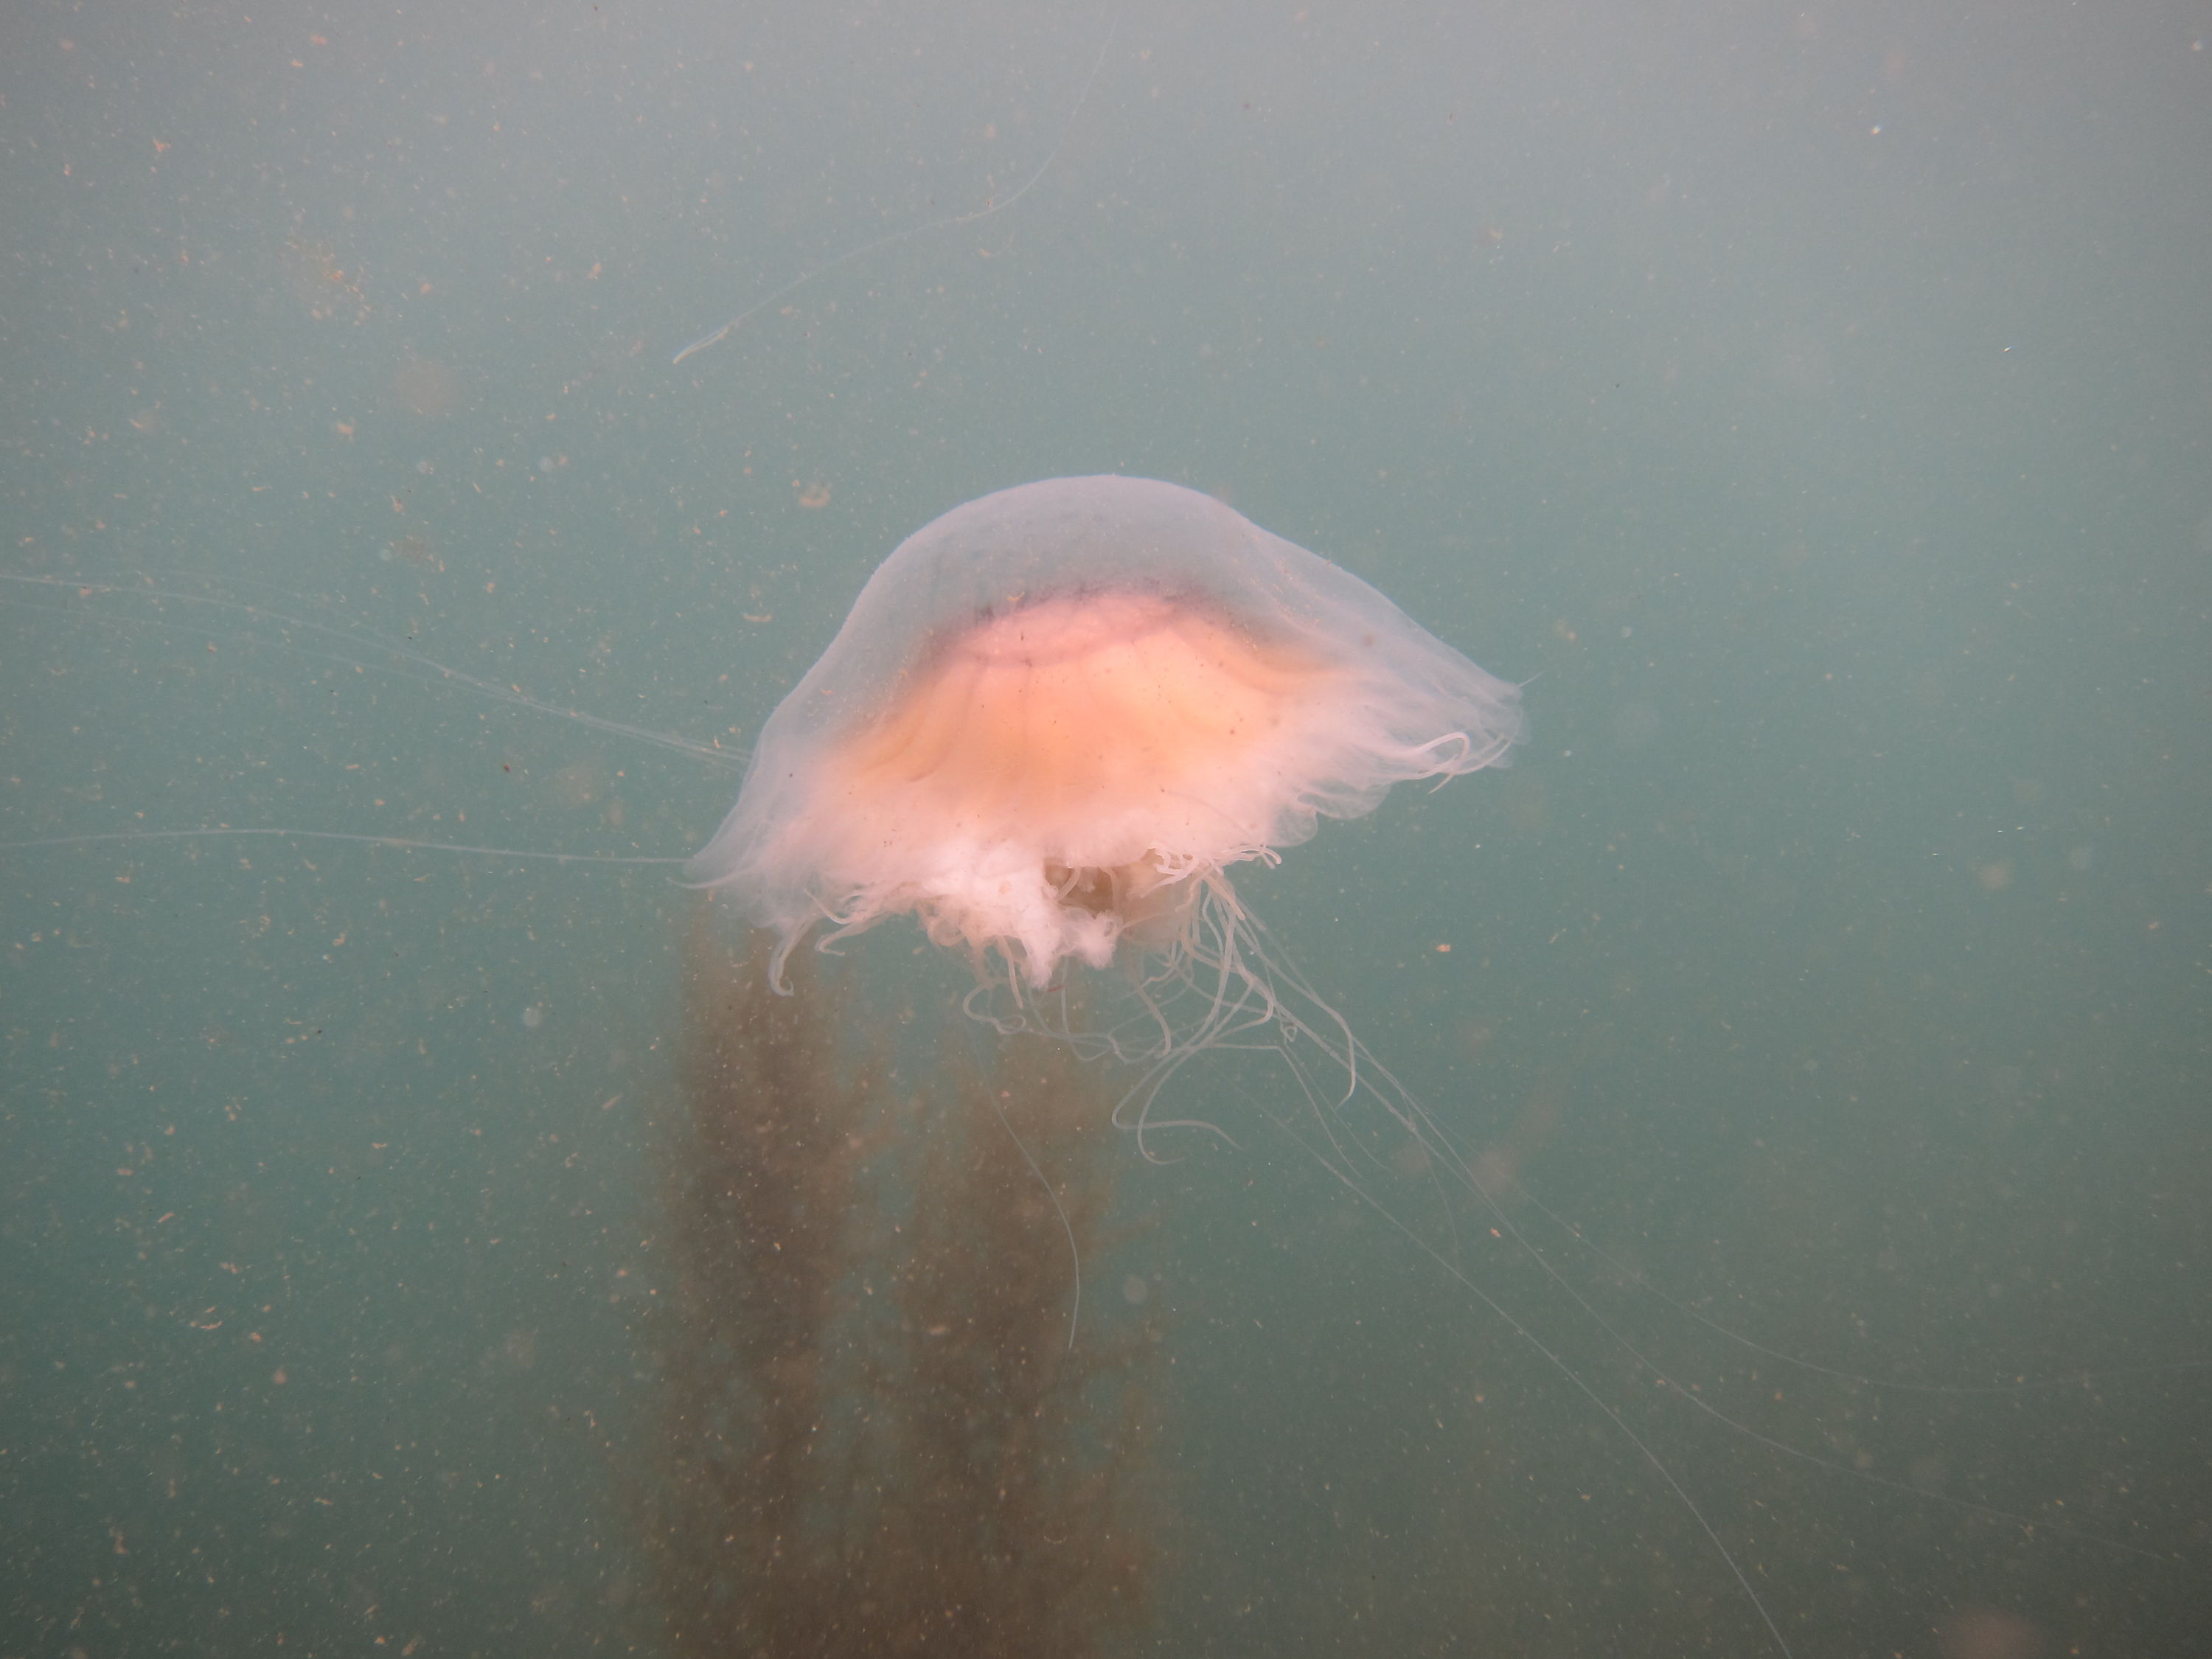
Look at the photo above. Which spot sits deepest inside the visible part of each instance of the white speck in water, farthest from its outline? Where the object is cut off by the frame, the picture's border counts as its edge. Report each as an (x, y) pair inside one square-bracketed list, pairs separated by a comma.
[(534, 1015), (424, 468), (544, 463)]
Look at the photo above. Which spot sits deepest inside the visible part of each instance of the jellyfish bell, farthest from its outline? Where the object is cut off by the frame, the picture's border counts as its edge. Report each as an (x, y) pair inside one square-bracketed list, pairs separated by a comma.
[(1058, 714)]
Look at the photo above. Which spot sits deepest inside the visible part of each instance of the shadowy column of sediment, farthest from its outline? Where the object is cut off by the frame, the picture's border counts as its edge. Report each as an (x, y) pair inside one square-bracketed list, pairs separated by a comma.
[(876, 1435)]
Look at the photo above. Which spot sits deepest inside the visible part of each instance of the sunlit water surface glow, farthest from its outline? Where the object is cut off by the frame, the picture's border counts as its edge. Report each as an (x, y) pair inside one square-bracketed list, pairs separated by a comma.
[(1825, 963)]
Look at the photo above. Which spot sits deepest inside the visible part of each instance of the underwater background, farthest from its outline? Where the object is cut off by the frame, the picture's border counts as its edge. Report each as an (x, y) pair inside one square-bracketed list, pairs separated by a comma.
[(1810, 403)]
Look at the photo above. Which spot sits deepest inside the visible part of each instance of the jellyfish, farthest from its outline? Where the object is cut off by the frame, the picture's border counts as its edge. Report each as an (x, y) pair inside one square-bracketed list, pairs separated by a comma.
[(1055, 718), (1053, 721)]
